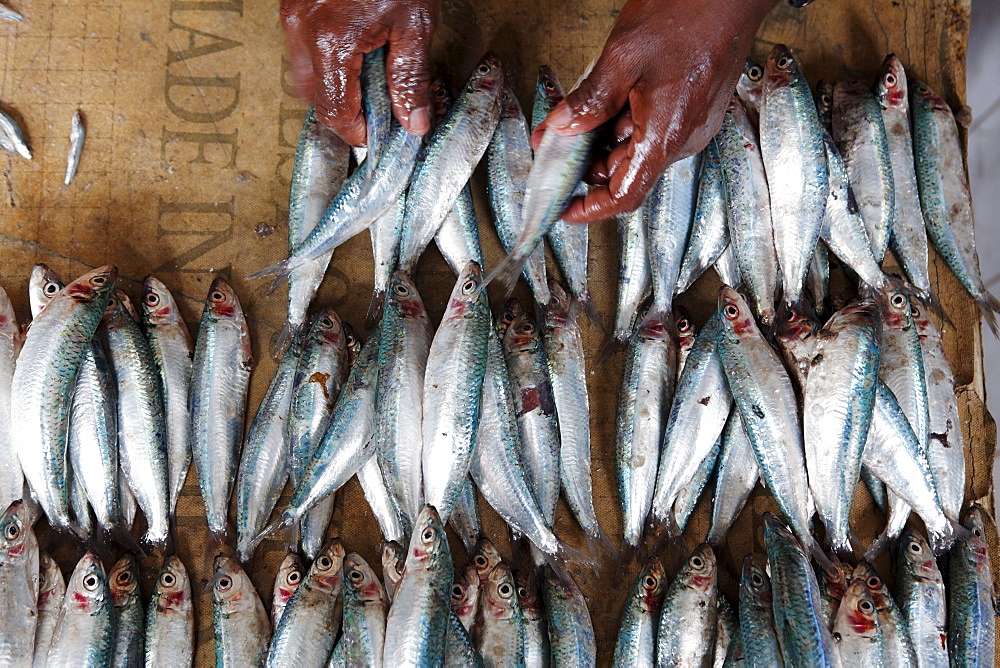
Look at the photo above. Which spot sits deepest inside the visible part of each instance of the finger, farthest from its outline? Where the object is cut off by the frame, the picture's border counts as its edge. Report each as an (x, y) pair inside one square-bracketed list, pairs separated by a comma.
[(298, 53), (338, 88), (627, 187), (623, 126), (600, 96), (408, 70), (597, 173)]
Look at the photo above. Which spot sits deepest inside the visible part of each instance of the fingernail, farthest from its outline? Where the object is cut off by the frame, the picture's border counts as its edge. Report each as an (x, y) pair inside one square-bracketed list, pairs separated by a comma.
[(420, 121), (560, 116)]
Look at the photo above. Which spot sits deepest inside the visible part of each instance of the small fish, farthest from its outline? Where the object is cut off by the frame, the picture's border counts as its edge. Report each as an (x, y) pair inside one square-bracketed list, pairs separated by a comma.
[(288, 579), (634, 277), (417, 624), (833, 580), (459, 649), (385, 233), (686, 630), (760, 642), (77, 134), (9, 14), (895, 634), (794, 331), (571, 631), (920, 592), (500, 637), (859, 636), (51, 592), (129, 618), (19, 585), (393, 558), (11, 135), (465, 593), (242, 630), (365, 606), (84, 634), (709, 232), (380, 501), (458, 236), (971, 597), (220, 379), (170, 617), (636, 645), (689, 495), (484, 559), (465, 515), (736, 475)]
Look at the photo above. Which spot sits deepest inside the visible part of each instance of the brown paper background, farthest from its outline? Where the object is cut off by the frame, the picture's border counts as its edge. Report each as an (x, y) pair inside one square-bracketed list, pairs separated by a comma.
[(191, 125)]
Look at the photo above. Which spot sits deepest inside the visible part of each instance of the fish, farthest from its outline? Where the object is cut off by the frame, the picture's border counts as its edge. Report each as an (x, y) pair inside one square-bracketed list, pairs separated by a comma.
[(859, 636), (726, 268), (51, 592), (311, 621), (84, 633), (668, 225), (686, 631), (319, 374), (142, 446), (920, 593), (11, 135), (11, 478), (385, 234), (393, 558), (239, 620), (365, 606), (833, 581), (686, 334), (77, 135), (636, 644), (465, 515), (170, 617), (484, 559), (838, 403), (500, 637), (264, 462), (508, 161), (318, 172), (465, 593), (456, 364), (698, 413), (567, 372), (634, 277), (736, 475), (289, 577), (458, 236), (748, 213), (377, 495), (453, 150), (403, 351), (549, 92), (945, 199), (417, 624), (971, 597), (860, 135), (728, 644), (459, 649), (571, 631), (689, 495), (794, 330), (823, 98), (709, 234), (791, 145), (763, 394), (537, 651), (799, 623), (128, 647), (895, 634), (909, 234), (750, 89), (9, 14), (757, 633), (170, 343), (537, 421), (945, 444), (52, 353), (646, 392), (19, 586), (220, 378)]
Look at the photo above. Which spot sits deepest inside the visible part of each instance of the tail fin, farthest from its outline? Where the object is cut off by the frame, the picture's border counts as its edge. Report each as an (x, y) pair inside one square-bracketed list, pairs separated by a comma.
[(941, 541), (989, 306), (282, 521), (507, 272), (878, 546), (285, 337), (120, 534), (374, 308), (598, 541), (280, 270)]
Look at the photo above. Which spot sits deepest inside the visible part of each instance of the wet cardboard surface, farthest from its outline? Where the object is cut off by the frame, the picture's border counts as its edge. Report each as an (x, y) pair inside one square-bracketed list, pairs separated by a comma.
[(191, 129)]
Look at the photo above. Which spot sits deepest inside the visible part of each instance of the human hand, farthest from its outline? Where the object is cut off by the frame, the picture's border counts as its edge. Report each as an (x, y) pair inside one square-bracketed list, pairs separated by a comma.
[(327, 40), (675, 65)]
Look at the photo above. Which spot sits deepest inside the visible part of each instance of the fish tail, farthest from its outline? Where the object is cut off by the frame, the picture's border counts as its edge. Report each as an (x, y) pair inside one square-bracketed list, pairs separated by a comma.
[(942, 539), (598, 542), (930, 300), (157, 545), (374, 308), (506, 273), (633, 553), (120, 534), (612, 346), (566, 552), (989, 306), (878, 546), (591, 310), (282, 521), (280, 270), (820, 556), (285, 337)]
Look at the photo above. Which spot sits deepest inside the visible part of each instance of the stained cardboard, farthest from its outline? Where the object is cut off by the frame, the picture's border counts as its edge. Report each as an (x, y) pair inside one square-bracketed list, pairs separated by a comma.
[(191, 129)]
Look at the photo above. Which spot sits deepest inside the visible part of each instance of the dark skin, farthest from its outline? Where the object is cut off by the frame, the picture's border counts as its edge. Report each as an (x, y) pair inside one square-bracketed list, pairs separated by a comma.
[(661, 108)]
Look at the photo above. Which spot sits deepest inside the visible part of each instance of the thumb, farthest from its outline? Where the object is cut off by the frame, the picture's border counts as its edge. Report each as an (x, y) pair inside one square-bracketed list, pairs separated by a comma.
[(598, 98), (408, 71)]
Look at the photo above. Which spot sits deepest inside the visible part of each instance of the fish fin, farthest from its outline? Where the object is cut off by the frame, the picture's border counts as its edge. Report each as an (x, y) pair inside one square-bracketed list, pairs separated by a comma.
[(611, 347), (591, 310), (941, 541), (280, 270), (930, 300), (507, 273), (820, 556), (569, 553), (120, 534), (285, 337), (670, 532), (598, 542), (374, 308), (878, 546), (633, 553), (989, 306), (282, 521)]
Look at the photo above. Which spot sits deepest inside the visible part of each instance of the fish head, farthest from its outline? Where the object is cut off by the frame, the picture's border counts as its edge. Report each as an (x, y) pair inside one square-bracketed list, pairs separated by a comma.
[(231, 588), (289, 577), (795, 322), (865, 572), (158, 305), (327, 571), (921, 93), (488, 75), (700, 570), (916, 553), (327, 328), (684, 329), (405, 297), (548, 88), (119, 306), (975, 547), (896, 309), (17, 538), (653, 328), (860, 611), (558, 310), (428, 544), (652, 586), (776, 533), (465, 591), (890, 88), (485, 558), (173, 589), (736, 314), (124, 580), (921, 318), (529, 596), (510, 107), (393, 558), (88, 586), (522, 335), (93, 285), (441, 97), (43, 285), (833, 578), (352, 343), (754, 580), (500, 600), (751, 82), (360, 579), (780, 69), (51, 586), (222, 302), (467, 293), (511, 309), (824, 98)]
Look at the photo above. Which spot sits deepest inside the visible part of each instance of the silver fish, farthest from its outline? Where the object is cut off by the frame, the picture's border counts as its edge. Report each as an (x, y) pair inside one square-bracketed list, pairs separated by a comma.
[(634, 278), (458, 236), (920, 592), (709, 232), (500, 637), (289, 577), (365, 606), (12, 137), (51, 592), (170, 617), (668, 224), (84, 633), (465, 593), (11, 478), (129, 618), (726, 268), (860, 639), (571, 631), (242, 630), (77, 134), (760, 641), (465, 518), (636, 645), (895, 634), (689, 495), (686, 630), (19, 587), (219, 382), (537, 652), (379, 500), (750, 89), (385, 233), (393, 558), (736, 475), (9, 14), (971, 598)]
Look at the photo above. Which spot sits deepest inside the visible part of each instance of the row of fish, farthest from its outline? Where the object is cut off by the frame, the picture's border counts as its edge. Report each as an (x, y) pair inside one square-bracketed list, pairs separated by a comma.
[(791, 613), (12, 137)]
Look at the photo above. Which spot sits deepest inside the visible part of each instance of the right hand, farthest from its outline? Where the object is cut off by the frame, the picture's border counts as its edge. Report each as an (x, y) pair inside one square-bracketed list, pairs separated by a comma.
[(327, 40)]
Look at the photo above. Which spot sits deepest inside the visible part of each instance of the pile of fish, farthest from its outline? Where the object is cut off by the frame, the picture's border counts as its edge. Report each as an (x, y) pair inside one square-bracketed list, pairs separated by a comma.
[(836, 615)]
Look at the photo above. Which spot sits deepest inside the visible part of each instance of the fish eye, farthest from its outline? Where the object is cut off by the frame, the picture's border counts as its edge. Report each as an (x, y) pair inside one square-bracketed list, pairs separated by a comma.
[(123, 578), (167, 579), (528, 328), (218, 296), (458, 591), (505, 590), (898, 300), (98, 280), (428, 535), (684, 325), (915, 547), (731, 311), (790, 316), (784, 63), (483, 69), (401, 290), (874, 582), (697, 562), (50, 288), (224, 583), (481, 561), (522, 592), (977, 532), (757, 580), (754, 73), (324, 563), (439, 93), (889, 80), (12, 531), (865, 606), (293, 577), (550, 85), (649, 582), (913, 311), (326, 322), (468, 287), (853, 82), (825, 99), (90, 582), (351, 340), (357, 576), (152, 299)]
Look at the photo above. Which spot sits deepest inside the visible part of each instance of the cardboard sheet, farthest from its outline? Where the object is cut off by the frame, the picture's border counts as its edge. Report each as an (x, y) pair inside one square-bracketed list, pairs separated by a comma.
[(191, 129)]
